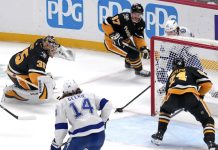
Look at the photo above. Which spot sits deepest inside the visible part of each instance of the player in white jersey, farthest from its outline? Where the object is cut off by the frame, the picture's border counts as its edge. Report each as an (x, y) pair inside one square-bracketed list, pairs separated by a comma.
[(170, 51), (80, 111), (173, 29)]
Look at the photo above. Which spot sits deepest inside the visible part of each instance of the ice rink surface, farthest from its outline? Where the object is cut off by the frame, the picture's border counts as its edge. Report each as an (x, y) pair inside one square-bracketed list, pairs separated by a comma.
[(103, 74)]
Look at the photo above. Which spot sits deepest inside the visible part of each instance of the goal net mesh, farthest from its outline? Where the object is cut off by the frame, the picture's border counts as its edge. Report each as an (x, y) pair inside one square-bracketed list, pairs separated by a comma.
[(200, 53)]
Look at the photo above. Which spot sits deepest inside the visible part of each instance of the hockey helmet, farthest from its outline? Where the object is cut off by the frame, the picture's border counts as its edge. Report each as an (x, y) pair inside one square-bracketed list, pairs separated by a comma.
[(137, 8), (178, 63), (51, 45), (171, 26), (70, 86), (136, 12)]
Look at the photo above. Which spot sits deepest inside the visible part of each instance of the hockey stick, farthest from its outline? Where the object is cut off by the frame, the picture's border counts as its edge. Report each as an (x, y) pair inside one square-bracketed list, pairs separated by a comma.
[(18, 117), (19, 78), (133, 48), (177, 112), (121, 108)]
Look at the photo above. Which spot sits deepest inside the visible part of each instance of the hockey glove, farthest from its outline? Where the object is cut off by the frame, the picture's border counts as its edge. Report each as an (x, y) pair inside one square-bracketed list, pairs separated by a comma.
[(117, 39), (146, 52), (55, 146), (214, 93)]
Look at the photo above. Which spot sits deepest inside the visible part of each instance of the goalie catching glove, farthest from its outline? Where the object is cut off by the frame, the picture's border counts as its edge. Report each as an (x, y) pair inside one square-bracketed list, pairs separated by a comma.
[(64, 53), (146, 52), (117, 39)]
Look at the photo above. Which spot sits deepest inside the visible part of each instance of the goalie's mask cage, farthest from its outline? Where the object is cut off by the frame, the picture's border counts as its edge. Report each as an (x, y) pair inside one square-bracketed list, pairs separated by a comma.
[(51, 45), (199, 53)]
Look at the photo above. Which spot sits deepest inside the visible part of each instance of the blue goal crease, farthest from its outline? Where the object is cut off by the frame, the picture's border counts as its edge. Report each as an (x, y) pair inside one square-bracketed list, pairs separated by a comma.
[(137, 131)]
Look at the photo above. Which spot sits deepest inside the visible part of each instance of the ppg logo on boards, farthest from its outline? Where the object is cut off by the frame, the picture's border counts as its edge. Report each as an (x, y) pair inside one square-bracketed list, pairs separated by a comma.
[(216, 27), (108, 8), (65, 13), (156, 17)]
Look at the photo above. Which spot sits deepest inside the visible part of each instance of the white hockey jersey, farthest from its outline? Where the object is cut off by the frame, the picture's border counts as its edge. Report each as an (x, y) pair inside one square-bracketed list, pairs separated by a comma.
[(183, 31), (81, 112), (169, 51)]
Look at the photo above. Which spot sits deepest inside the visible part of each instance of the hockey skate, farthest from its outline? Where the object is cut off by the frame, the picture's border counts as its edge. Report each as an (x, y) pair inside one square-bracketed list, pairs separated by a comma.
[(128, 65), (157, 138), (143, 73), (212, 145)]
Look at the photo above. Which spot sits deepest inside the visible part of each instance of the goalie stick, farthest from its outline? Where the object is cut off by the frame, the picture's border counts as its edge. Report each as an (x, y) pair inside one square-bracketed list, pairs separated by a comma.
[(14, 75), (121, 108), (18, 117), (19, 78)]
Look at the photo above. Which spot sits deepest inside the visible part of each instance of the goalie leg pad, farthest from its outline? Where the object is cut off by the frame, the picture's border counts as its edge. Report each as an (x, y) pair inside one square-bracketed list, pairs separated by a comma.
[(13, 92), (9, 92), (45, 90)]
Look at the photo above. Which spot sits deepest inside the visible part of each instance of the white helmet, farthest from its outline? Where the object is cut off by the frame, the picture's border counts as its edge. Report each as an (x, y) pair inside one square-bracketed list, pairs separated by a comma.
[(171, 25), (70, 86)]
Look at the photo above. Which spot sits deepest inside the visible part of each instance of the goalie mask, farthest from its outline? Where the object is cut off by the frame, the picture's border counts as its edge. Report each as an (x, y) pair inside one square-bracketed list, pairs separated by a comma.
[(178, 63), (136, 12), (171, 27), (50, 45)]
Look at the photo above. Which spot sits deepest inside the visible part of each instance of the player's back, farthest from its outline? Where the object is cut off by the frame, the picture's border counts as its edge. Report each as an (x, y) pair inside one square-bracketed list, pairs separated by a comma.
[(186, 80), (81, 112), (17, 63), (22, 61)]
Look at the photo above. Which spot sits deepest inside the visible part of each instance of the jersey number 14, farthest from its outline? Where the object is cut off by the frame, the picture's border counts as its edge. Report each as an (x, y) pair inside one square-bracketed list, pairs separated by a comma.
[(86, 105)]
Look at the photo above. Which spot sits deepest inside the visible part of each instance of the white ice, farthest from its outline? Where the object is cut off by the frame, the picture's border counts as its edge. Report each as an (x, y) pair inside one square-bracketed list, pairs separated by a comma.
[(103, 74)]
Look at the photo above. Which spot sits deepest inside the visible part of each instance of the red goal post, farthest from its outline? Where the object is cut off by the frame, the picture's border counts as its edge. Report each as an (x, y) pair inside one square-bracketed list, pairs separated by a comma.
[(199, 45)]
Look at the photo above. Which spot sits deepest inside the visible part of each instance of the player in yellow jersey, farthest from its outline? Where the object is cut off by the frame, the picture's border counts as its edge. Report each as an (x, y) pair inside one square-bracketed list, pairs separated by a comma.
[(119, 30), (27, 69), (186, 88)]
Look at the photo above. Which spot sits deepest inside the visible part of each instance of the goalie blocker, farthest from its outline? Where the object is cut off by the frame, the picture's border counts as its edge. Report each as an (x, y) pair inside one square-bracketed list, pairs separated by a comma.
[(43, 92)]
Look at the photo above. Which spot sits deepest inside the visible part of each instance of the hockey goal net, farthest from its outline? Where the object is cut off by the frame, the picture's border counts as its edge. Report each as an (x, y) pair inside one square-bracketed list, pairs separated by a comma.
[(200, 53)]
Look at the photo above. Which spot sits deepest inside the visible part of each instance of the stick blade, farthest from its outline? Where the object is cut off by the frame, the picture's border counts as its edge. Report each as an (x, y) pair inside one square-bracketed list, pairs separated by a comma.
[(119, 110), (26, 117)]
